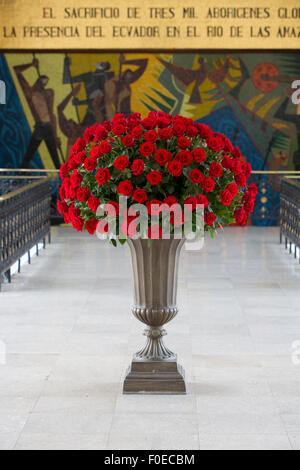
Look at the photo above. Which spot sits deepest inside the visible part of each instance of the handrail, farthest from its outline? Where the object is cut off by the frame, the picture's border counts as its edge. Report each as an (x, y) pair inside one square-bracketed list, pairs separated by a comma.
[(45, 170), (23, 189)]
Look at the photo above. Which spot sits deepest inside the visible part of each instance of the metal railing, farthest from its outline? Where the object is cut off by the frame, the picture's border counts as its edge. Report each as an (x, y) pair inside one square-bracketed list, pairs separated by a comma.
[(290, 214), (24, 222)]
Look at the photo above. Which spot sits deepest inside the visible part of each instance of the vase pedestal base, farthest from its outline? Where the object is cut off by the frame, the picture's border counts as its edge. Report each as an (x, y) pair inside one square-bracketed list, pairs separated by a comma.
[(154, 376)]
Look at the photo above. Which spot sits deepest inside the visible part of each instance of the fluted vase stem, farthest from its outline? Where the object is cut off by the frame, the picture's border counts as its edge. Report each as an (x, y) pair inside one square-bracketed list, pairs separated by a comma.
[(155, 271)]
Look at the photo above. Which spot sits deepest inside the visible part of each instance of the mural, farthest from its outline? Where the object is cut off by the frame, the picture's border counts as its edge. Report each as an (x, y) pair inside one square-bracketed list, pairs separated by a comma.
[(52, 97)]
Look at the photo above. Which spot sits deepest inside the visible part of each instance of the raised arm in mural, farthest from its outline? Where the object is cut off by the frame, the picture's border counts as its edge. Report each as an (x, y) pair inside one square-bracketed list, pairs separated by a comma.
[(40, 100), (282, 114), (118, 90), (188, 76), (70, 128), (94, 85)]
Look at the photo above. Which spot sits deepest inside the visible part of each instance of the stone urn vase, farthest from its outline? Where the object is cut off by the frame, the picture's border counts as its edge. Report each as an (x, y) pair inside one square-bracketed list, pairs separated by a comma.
[(154, 369)]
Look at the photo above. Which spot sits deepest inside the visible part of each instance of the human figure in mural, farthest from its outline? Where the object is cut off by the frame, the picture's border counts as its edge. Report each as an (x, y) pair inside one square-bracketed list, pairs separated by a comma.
[(188, 76), (94, 84), (282, 114), (41, 101), (106, 94), (118, 89), (70, 128)]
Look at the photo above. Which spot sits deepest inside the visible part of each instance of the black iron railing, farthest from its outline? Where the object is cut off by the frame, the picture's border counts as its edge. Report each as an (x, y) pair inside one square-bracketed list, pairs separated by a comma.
[(24, 222), (290, 214)]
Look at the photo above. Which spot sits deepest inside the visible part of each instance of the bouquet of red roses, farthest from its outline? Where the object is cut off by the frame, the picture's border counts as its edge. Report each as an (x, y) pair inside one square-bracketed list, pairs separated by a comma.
[(160, 161)]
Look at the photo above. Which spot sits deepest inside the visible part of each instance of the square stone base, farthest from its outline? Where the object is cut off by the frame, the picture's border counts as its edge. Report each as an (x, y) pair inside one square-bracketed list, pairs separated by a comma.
[(147, 376)]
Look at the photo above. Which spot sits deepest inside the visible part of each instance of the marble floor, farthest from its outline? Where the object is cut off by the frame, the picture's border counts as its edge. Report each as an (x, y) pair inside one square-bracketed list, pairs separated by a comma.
[(67, 337)]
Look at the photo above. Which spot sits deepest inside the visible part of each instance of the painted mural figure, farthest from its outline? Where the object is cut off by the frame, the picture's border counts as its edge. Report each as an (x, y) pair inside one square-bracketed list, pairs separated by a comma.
[(118, 90), (188, 76), (94, 84), (71, 129), (281, 113), (40, 100)]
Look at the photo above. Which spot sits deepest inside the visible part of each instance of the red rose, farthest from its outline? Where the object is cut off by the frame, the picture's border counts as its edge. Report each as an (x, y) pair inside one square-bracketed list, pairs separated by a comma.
[(102, 176), (64, 170), (72, 192), (91, 226), (215, 143), (73, 164), (240, 217), (125, 188), (90, 164), (199, 155), (241, 180), (228, 147), (118, 129), (215, 170), (204, 131), (78, 146), (179, 128), (100, 134), (253, 189), (105, 147), (93, 203), (183, 143), (155, 232), (137, 132), (175, 168), (184, 157), (132, 122), (237, 166), (149, 123), (170, 201), (192, 131), (95, 152), (128, 141), (209, 218), (202, 200), (190, 201), (208, 184), (154, 177), (147, 149), (62, 207), (249, 206), (227, 162), (226, 197), (165, 134), (76, 179), (162, 157), (154, 207), (150, 136), (77, 223), (137, 167), (196, 176), (232, 187), (80, 157), (236, 152), (140, 196), (73, 211), (83, 194), (112, 208), (121, 162), (247, 169)]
